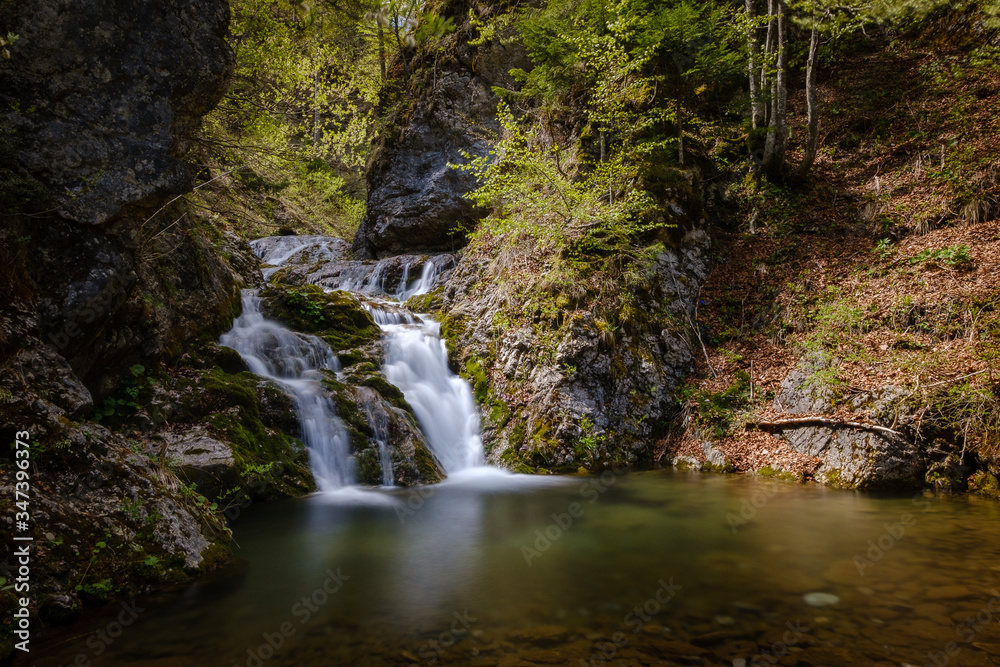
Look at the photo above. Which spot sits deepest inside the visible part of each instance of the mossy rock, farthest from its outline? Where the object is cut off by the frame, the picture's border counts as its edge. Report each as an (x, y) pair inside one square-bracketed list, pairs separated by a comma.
[(336, 317), (257, 447), (431, 302), (984, 484)]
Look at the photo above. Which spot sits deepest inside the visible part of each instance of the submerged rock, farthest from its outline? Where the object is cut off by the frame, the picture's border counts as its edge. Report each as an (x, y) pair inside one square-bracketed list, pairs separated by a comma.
[(818, 599)]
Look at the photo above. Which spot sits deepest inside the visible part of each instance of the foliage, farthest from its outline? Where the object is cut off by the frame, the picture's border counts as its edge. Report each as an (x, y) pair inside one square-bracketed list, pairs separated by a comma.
[(956, 257), (128, 399), (297, 121)]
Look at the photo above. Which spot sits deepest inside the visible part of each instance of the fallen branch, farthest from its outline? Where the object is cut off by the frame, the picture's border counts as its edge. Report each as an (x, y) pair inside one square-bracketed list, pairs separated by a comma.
[(961, 377), (821, 421)]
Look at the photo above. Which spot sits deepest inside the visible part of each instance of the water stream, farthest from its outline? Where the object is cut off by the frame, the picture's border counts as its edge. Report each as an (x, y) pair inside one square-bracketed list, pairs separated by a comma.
[(489, 568), (294, 360)]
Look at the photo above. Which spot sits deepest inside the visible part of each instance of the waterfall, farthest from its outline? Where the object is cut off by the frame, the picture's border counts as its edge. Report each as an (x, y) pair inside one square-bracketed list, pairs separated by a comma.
[(417, 363), (294, 360), (380, 427)]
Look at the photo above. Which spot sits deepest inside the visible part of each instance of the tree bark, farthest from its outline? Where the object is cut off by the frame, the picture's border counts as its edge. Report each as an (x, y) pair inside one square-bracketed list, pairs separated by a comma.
[(777, 136), (381, 46), (680, 132), (753, 47), (809, 152)]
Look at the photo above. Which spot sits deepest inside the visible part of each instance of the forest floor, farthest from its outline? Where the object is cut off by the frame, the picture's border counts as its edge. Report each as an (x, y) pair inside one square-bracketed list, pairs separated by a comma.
[(885, 262)]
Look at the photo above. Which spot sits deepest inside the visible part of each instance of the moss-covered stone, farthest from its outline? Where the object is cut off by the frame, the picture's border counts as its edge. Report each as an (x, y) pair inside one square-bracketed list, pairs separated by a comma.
[(777, 473), (984, 484), (336, 317)]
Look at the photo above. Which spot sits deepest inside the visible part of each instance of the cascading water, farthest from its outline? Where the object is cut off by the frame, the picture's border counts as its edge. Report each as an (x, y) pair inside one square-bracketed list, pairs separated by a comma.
[(417, 363), (294, 360)]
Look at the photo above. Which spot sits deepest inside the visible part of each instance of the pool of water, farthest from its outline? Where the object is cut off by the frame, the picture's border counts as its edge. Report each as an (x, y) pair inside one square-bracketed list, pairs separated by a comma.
[(643, 568)]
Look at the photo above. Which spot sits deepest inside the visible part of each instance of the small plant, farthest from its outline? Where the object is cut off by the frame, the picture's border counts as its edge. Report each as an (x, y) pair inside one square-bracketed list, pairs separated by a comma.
[(955, 257), (127, 401), (884, 249)]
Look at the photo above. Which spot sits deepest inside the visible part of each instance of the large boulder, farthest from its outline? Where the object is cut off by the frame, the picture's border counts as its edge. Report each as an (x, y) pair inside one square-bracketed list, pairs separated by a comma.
[(102, 95), (557, 393), (850, 456), (416, 200)]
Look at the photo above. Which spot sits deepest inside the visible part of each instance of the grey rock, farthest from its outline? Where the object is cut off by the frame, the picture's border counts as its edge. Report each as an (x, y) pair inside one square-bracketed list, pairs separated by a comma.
[(415, 199), (852, 457), (202, 460), (616, 388), (103, 95)]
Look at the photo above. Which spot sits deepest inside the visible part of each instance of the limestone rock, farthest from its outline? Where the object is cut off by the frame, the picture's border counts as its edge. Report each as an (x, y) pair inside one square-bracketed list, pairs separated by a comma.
[(415, 199), (103, 95)]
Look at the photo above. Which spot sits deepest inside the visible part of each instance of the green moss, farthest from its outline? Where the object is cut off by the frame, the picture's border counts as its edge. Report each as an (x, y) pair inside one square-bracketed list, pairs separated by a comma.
[(215, 555), (833, 478), (427, 303), (389, 392), (348, 411), (476, 375), (726, 467), (425, 465), (254, 445), (775, 473), (368, 467), (239, 389), (984, 484), (336, 317)]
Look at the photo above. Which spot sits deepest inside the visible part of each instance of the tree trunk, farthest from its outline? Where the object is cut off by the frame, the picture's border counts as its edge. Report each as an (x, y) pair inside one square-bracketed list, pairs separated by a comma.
[(777, 137), (680, 133), (753, 47), (399, 44), (809, 152), (765, 65), (381, 47)]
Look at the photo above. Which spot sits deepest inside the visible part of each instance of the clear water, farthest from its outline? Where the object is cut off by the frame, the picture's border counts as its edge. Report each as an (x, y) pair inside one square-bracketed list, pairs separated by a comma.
[(441, 575)]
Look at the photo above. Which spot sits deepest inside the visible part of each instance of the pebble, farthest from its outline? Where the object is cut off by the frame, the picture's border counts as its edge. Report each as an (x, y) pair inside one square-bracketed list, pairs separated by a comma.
[(817, 599)]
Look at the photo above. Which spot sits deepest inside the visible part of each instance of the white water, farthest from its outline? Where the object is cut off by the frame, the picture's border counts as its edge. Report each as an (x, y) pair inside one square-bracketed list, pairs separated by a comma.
[(294, 360), (417, 362)]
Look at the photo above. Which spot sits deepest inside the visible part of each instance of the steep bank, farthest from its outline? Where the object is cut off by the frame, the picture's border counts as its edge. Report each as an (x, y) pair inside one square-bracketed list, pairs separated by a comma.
[(861, 307)]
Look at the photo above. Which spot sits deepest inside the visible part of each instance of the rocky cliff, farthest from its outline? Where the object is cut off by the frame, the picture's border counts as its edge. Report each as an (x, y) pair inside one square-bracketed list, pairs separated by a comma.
[(103, 282), (416, 200)]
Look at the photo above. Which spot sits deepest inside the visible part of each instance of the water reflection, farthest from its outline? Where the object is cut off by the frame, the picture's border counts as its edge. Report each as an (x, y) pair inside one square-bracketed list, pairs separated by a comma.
[(553, 569)]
